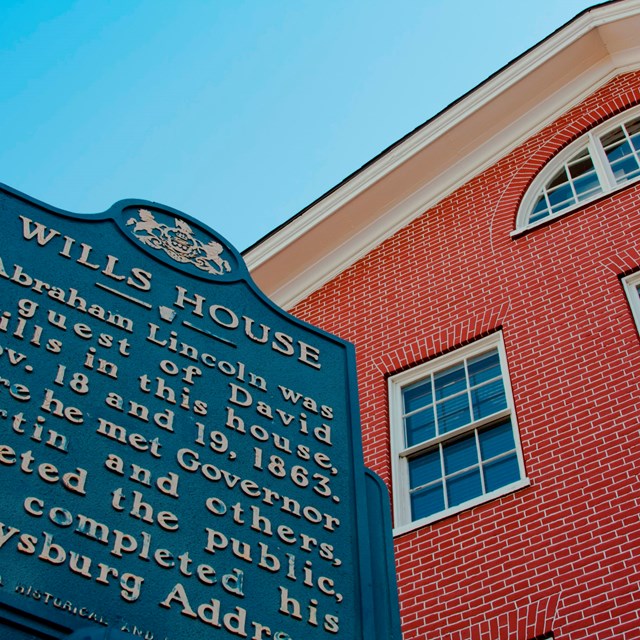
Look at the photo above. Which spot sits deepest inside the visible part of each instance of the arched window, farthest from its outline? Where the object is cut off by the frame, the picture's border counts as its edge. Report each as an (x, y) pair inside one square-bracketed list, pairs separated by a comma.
[(599, 162)]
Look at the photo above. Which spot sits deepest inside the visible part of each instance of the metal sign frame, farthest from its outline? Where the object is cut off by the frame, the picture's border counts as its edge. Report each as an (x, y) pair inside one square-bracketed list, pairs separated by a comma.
[(178, 454)]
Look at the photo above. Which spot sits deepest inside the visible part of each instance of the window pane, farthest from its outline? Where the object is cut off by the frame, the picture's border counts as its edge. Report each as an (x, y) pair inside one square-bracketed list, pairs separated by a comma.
[(496, 440), (625, 169), (561, 198), (501, 472), (558, 179), (420, 427), (453, 413), (587, 186), (540, 210), (464, 487), (484, 367), (633, 127), (425, 469), (460, 454), (417, 396), (427, 501), (450, 381), (612, 138), (619, 150), (488, 399), (579, 167)]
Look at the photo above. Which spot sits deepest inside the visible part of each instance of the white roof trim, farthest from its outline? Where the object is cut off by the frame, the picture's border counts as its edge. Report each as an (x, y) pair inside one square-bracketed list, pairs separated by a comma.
[(325, 239)]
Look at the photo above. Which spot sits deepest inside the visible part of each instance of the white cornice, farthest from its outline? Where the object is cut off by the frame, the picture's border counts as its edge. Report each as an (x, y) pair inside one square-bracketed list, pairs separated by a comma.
[(485, 124)]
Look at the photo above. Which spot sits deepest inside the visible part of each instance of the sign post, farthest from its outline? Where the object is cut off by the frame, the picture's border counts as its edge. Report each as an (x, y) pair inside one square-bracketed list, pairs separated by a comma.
[(179, 457)]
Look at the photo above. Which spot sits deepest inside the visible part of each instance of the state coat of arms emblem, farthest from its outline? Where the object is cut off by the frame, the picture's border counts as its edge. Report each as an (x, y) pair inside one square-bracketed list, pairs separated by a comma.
[(179, 243)]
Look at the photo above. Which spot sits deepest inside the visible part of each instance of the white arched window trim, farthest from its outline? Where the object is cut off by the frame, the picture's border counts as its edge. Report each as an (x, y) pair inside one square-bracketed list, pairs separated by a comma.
[(592, 144)]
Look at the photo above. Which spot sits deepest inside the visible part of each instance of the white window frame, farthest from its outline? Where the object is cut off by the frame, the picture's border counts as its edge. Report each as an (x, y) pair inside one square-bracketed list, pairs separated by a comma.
[(591, 140), (400, 453), (631, 285)]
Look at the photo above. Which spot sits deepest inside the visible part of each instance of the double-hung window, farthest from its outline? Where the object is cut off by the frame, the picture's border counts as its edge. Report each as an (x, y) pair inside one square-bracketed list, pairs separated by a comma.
[(601, 161), (632, 289), (453, 433)]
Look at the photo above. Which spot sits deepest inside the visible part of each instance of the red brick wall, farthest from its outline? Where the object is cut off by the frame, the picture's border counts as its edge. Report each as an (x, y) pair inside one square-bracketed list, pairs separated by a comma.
[(563, 553)]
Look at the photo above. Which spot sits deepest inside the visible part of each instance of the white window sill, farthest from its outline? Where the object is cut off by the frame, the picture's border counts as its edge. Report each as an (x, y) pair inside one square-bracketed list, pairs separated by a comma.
[(441, 515)]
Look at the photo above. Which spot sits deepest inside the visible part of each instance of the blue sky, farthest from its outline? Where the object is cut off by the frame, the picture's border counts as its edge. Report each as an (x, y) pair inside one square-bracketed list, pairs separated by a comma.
[(239, 113)]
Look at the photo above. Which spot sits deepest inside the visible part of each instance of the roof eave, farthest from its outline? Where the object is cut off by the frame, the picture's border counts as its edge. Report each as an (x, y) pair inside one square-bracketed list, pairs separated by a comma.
[(448, 150)]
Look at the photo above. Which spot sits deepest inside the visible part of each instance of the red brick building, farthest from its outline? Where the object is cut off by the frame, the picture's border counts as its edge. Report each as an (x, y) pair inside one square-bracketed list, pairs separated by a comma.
[(487, 268)]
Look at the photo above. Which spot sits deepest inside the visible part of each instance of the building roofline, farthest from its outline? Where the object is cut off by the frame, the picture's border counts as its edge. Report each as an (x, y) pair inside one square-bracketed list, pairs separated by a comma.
[(421, 126), (265, 257)]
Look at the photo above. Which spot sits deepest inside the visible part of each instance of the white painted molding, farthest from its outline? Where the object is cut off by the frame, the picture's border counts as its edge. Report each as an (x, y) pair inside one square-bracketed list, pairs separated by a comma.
[(318, 244)]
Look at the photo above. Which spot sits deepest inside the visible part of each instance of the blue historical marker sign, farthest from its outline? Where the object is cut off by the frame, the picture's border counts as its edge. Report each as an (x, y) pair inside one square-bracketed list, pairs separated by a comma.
[(179, 457)]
